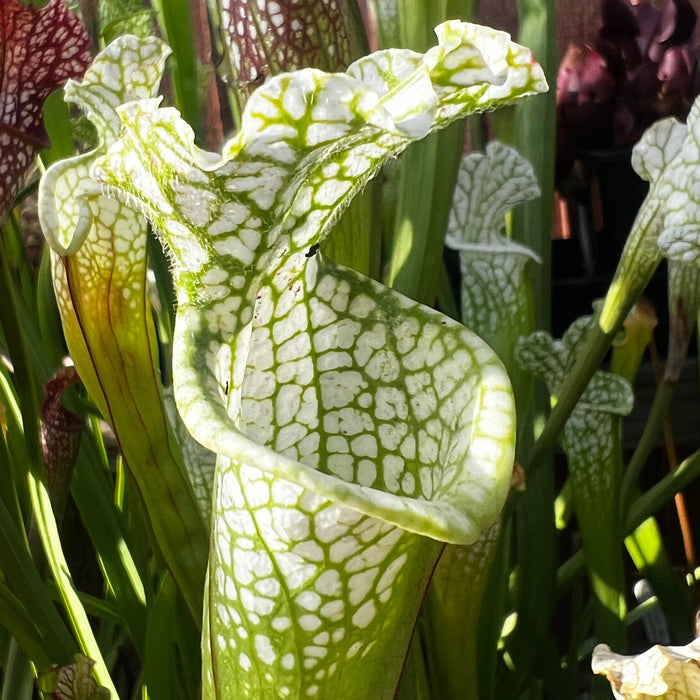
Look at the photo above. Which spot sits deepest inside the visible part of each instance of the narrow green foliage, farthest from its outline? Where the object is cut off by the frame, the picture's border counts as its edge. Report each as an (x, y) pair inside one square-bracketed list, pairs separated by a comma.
[(163, 676), (534, 125), (93, 494), (176, 21), (426, 173)]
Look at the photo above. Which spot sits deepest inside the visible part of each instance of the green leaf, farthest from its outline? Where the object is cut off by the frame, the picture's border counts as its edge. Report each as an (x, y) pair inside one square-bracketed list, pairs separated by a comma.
[(534, 122), (176, 19), (496, 304), (162, 671), (93, 494), (99, 271), (450, 619), (350, 422)]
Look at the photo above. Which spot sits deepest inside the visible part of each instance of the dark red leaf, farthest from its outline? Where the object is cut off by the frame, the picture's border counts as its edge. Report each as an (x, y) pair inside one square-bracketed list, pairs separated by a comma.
[(72, 682), (649, 20), (39, 50), (283, 35), (60, 436), (677, 23)]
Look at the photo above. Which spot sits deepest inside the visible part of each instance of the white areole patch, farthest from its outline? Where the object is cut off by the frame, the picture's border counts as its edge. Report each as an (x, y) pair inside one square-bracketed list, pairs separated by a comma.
[(309, 623), (264, 650), (364, 616), (331, 191), (244, 661), (197, 201), (308, 600), (329, 583)]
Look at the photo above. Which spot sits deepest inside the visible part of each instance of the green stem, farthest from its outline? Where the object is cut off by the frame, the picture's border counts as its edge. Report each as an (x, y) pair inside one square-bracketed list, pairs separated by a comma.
[(18, 675), (175, 19), (642, 508), (647, 442), (663, 491)]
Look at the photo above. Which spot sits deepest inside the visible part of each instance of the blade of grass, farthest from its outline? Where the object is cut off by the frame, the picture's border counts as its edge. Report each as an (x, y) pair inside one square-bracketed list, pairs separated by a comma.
[(535, 540), (175, 20), (21, 625), (59, 568), (164, 663), (103, 609), (535, 123), (535, 532), (103, 522), (8, 491), (18, 675), (427, 177), (50, 330), (20, 279), (22, 579), (492, 614), (36, 476)]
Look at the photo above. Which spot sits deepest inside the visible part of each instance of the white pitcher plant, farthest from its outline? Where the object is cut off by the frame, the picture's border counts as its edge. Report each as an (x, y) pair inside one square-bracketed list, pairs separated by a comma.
[(355, 431)]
